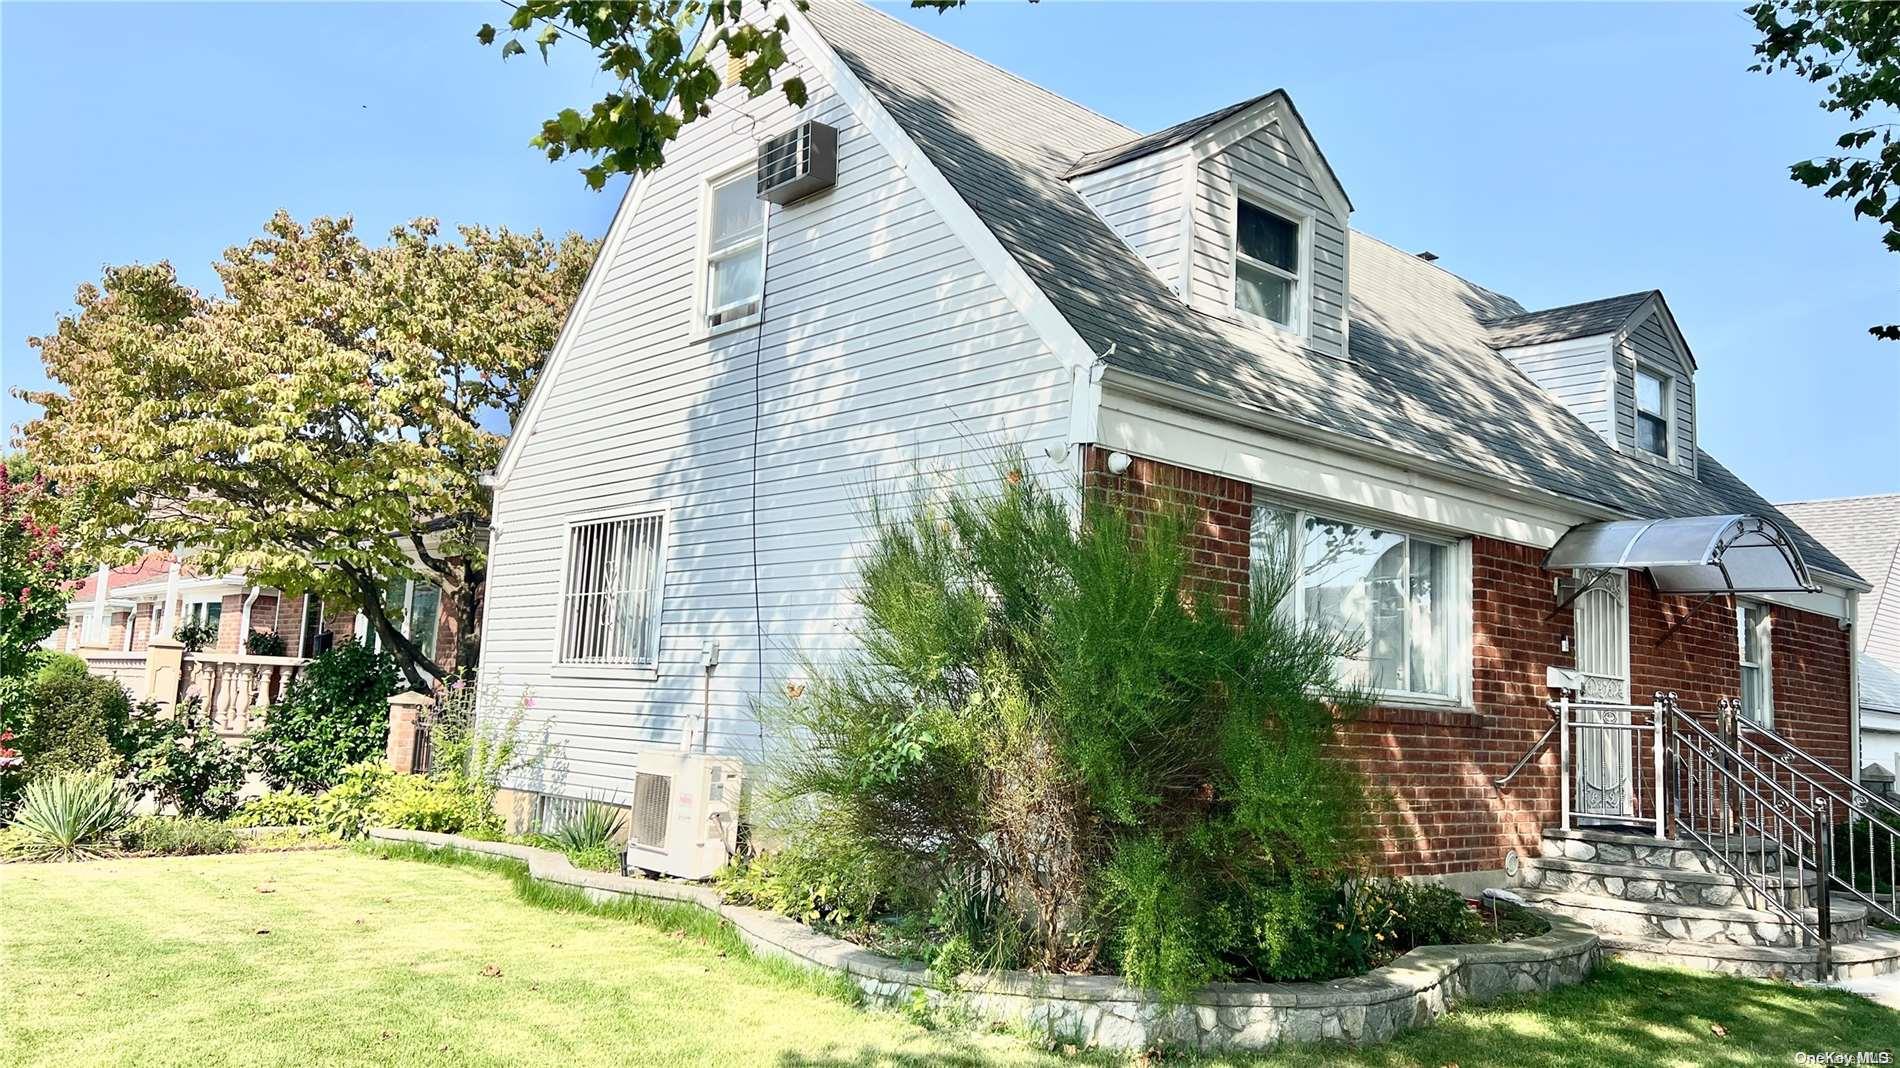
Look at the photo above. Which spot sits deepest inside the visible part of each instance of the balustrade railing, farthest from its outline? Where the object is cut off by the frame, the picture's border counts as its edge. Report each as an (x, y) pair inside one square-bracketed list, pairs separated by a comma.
[(237, 689)]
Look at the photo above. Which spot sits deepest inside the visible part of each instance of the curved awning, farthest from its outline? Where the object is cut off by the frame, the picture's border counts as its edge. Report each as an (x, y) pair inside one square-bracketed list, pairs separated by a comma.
[(1694, 554)]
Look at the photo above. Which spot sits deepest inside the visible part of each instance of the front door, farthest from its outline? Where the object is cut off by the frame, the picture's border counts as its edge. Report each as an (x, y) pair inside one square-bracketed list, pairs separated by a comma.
[(1604, 786)]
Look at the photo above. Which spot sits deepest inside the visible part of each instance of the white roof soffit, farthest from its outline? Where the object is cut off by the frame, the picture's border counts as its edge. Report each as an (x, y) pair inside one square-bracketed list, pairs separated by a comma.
[(1694, 554)]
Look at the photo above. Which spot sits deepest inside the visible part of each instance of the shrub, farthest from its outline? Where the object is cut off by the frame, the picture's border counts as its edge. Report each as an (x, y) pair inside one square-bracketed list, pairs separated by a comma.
[(48, 666), (195, 635), (70, 816), (1068, 716), (597, 826), (345, 810), (448, 804), (173, 837), (808, 882), (183, 763), (280, 808), (73, 723), (265, 643), (334, 716)]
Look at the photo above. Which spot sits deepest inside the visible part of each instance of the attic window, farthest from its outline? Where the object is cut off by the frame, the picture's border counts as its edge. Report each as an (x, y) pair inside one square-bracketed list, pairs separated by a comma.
[(1267, 265), (1652, 411)]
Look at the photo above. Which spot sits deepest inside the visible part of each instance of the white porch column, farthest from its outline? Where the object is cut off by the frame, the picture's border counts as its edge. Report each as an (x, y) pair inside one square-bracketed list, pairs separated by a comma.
[(170, 611), (96, 628)]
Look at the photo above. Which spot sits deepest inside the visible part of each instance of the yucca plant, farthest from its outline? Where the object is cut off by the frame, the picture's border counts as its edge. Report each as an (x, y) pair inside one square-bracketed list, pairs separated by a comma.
[(70, 816), (593, 829)]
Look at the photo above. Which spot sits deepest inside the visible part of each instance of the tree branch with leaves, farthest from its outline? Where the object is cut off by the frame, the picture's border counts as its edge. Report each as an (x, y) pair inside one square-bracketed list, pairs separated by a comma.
[(1852, 49), (325, 424)]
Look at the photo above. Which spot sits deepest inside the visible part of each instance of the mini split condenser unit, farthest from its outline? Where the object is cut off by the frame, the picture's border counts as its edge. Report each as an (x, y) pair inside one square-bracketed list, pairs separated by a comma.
[(685, 813)]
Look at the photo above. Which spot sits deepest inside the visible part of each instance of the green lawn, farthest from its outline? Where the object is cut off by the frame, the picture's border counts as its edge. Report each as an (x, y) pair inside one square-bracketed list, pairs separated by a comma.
[(371, 960)]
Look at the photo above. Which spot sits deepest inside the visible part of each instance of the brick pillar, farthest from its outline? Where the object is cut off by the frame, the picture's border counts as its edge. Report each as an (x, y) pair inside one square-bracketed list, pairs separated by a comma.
[(405, 709)]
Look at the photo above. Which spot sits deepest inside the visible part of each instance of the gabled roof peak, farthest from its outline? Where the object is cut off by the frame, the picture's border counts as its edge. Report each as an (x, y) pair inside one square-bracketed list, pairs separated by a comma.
[(1212, 131), (1605, 315)]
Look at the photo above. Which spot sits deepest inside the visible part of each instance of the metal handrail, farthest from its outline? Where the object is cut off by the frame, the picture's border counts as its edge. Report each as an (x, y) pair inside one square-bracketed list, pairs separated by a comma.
[(1856, 800), (1719, 762)]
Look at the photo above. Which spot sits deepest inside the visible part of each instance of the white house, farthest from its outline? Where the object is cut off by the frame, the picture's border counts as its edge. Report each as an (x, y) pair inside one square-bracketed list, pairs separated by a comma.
[(775, 327)]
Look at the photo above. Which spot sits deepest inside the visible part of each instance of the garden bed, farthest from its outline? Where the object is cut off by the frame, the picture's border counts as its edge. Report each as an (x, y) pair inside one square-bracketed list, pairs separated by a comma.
[(1104, 1011)]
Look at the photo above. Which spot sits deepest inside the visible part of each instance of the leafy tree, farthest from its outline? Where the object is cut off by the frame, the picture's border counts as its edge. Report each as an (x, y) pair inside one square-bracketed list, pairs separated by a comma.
[(34, 570), (1852, 47), (659, 53), (325, 423)]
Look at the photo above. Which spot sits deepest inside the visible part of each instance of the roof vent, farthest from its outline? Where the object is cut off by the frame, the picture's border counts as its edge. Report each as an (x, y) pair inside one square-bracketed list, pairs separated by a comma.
[(1428, 257), (798, 163)]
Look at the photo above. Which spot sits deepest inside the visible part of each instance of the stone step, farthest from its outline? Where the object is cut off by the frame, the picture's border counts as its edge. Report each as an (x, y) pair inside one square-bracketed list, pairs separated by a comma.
[(1617, 847), (1638, 882), (1663, 920), (1876, 954)]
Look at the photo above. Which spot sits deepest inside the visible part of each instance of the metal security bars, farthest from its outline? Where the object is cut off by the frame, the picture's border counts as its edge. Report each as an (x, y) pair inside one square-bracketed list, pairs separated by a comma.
[(610, 601)]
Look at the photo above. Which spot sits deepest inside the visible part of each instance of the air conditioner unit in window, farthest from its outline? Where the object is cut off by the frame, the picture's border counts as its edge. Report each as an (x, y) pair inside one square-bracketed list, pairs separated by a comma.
[(798, 163), (685, 813)]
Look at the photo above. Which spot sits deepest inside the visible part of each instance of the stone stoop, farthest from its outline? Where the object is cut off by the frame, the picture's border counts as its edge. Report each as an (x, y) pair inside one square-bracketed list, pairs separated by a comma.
[(1673, 902)]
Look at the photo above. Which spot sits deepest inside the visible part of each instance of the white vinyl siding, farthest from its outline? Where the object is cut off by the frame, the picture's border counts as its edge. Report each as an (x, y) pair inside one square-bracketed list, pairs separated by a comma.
[(1141, 201), (1265, 168), (1399, 596), (1651, 347), (883, 353), (1575, 372), (611, 592)]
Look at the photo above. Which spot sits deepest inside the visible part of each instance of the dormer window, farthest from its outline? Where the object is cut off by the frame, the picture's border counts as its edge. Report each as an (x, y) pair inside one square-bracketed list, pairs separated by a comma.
[(1652, 411), (1267, 260)]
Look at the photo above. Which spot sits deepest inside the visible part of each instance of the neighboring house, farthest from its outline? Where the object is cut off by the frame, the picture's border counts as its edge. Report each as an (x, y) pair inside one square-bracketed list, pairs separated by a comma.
[(120, 609), (1865, 532), (1185, 312)]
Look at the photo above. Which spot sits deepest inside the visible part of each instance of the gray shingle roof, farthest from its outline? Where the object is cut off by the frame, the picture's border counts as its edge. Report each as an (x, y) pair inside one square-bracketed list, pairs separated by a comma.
[(1421, 378), (1572, 320), (1865, 532), (1879, 685), (1160, 139)]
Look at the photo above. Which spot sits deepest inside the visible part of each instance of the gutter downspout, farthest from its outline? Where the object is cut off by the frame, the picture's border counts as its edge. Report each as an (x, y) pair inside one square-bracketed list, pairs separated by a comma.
[(171, 599), (1852, 626), (96, 621), (244, 621)]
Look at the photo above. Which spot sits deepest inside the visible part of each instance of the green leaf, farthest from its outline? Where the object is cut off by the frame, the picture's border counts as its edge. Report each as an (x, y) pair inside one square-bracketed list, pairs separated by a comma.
[(486, 34), (512, 48)]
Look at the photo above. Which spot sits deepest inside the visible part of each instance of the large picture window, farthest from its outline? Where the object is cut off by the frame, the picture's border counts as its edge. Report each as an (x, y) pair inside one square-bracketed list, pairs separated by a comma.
[(733, 251), (610, 596), (1400, 595)]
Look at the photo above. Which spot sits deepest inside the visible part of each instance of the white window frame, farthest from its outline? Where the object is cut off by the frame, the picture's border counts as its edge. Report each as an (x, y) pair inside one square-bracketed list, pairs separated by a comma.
[(703, 261), (1765, 669), (656, 610), (1460, 631), (1667, 383), (1300, 302)]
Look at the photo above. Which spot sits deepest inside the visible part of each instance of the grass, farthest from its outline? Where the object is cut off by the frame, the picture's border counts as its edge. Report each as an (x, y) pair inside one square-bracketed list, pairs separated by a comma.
[(384, 961)]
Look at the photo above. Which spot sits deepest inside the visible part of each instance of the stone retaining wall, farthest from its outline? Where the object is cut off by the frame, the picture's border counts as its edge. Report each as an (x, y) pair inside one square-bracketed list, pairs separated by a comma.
[(1103, 1011)]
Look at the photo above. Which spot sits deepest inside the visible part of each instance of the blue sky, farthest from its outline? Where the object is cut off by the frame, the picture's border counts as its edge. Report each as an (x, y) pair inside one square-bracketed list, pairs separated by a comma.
[(1553, 152)]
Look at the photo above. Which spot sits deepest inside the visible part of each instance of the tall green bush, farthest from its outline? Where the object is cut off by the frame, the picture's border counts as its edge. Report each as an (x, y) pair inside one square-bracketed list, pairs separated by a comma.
[(335, 715), (179, 759), (73, 722), (1064, 713)]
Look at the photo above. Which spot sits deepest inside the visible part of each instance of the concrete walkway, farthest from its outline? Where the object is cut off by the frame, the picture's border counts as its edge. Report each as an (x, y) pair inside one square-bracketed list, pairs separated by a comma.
[(1883, 989)]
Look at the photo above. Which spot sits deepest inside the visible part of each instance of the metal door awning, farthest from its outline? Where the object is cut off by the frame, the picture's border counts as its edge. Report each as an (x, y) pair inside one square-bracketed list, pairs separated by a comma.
[(1694, 554)]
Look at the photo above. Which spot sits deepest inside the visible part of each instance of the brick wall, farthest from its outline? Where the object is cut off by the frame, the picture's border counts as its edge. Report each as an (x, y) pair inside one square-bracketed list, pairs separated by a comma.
[(1434, 770)]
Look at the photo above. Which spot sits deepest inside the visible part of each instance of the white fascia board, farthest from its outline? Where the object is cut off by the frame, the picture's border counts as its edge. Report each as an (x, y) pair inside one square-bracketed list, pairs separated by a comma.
[(998, 264), (1299, 466)]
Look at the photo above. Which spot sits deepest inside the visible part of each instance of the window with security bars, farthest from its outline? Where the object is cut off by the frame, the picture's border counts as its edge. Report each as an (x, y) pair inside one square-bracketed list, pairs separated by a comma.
[(610, 610)]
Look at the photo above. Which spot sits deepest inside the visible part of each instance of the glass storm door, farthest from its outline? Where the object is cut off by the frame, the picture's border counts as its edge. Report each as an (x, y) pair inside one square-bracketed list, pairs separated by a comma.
[(1604, 785)]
